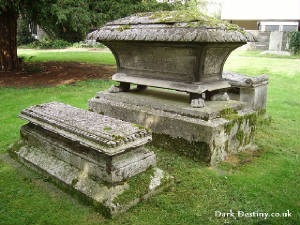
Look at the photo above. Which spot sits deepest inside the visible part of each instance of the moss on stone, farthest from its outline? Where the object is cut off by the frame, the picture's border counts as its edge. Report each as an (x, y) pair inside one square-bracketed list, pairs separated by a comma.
[(225, 113), (74, 182), (234, 118), (192, 18), (227, 146), (15, 147), (198, 151), (118, 137), (141, 127), (123, 27), (138, 187), (240, 135)]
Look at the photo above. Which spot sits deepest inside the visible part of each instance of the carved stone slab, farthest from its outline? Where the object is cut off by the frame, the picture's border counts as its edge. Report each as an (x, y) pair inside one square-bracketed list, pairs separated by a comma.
[(102, 133)]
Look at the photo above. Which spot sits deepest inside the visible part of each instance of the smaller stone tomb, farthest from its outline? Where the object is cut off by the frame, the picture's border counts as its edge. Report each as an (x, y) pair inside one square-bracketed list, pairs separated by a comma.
[(90, 154), (174, 50)]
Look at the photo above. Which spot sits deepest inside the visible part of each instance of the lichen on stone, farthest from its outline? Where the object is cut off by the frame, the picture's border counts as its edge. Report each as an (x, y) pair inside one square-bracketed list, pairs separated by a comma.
[(118, 137), (138, 126), (192, 18), (123, 27)]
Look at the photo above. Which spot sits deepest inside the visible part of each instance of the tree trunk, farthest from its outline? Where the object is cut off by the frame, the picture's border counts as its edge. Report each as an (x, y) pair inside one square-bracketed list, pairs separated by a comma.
[(8, 40)]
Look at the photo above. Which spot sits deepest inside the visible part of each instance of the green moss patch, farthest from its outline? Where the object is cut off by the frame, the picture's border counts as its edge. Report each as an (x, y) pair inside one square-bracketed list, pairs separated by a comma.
[(192, 18), (123, 27), (107, 128), (198, 151), (234, 118), (138, 187), (15, 147), (118, 137), (141, 127)]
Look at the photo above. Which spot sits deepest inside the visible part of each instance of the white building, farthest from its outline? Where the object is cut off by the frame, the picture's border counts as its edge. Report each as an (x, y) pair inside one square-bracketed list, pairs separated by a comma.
[(264, 15)]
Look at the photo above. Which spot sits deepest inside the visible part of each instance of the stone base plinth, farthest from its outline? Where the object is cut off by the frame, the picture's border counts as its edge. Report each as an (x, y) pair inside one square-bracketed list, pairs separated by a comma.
[(208, 134), (109, 199)]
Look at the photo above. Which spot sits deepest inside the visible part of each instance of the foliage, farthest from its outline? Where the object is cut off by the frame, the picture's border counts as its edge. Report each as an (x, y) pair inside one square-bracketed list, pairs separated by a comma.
[(71, 20), (33, 9), (24, 35), (47, 44), (294, 42)]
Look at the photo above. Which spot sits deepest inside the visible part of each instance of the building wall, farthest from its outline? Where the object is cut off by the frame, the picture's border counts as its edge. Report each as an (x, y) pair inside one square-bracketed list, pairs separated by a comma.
[(246, 24)]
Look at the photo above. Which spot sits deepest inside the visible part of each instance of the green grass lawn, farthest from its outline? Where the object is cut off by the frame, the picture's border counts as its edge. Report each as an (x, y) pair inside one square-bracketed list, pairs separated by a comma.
[(268, 183), (64, 56)]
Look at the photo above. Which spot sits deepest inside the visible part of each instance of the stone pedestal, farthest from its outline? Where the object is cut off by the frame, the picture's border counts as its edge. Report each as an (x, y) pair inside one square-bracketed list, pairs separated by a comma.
[(91, 155), (209, 134)]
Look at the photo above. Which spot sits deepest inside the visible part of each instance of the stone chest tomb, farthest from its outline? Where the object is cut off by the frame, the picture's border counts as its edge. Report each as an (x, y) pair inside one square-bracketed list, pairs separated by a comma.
[(175, 61), (171, 50)]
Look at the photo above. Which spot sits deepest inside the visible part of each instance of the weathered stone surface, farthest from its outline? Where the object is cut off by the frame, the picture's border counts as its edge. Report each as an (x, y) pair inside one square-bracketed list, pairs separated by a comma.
[(101, 133), (242, 80), (252, 90), (198, 103), (160, 27), (104, 197), (215, 131)]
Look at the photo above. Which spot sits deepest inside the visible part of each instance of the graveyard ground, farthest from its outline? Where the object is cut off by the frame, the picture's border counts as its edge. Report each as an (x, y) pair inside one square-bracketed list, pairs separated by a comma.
[(266, 180)]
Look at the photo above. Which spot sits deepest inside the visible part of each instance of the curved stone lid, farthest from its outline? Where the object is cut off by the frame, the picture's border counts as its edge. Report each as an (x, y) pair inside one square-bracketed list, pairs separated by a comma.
[(172, 26), (105, 134)]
